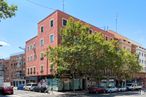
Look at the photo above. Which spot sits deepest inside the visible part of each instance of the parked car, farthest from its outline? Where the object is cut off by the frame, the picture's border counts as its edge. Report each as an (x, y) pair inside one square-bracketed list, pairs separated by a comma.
[(96, 89), (122, 89), (6, 88), (111, 89), (30, 86), (133, 86), (20, 87), (39, 89)]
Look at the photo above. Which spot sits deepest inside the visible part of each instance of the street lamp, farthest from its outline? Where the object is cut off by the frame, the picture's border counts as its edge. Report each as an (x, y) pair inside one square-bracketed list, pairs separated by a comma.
[(22, 48)]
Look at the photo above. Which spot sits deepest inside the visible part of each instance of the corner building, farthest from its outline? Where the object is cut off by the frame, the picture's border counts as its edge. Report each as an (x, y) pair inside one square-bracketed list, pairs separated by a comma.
[(37, 65)]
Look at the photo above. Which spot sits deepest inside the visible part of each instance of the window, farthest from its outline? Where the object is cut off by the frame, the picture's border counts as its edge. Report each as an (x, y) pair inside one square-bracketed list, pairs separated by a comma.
[(106, 38), (42, 29), (28, 48), (34, 46), (35, 57), (139, 53), (139, 61), (34, 70), (41, 42), (42, 69), (64, 22), (28, 71), (90, 31), (41, 56), (51, 23), (28, 59), (51, 38)]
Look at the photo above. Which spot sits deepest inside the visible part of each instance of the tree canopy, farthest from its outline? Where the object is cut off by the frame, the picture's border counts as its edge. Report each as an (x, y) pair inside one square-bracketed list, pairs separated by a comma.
[(6, 11), (82, 53)]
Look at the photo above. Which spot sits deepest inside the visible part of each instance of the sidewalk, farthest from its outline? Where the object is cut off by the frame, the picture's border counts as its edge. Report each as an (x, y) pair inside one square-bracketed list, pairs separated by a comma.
[(67, 94)]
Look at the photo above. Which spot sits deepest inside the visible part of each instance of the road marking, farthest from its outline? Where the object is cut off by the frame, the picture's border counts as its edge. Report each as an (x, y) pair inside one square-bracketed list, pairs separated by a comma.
[(13, 96)]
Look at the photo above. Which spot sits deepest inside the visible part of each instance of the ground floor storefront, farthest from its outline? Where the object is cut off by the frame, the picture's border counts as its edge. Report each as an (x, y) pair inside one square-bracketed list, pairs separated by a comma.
[(18, 82), (59, 84), (142, 77), (67, 83)]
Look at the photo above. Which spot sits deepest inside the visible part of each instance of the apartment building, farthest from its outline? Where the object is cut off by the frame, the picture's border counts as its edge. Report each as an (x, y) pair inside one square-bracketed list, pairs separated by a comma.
[(141, 52), (1, 70), (37, 65), (123, 41), (133, 47), (7, 76), (14, 69)]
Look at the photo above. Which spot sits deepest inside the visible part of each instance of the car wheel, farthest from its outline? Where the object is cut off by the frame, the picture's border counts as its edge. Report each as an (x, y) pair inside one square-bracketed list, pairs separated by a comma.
[(12, 93)]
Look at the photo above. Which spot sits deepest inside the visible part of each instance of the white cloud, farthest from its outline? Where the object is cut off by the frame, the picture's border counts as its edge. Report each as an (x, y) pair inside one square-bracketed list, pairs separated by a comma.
[(4, 43)]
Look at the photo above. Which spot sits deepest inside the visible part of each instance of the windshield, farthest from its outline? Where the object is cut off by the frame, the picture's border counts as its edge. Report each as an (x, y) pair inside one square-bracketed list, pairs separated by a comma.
[(28, 85), (129, 84), (34, 84)]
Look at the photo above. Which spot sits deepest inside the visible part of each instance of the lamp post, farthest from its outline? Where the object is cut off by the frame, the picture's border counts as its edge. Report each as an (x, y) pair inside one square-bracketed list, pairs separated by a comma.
[(22, 48)]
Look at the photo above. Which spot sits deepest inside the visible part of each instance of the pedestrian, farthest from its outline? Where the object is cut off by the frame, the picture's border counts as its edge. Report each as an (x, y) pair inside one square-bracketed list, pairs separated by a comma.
[(142, 90)]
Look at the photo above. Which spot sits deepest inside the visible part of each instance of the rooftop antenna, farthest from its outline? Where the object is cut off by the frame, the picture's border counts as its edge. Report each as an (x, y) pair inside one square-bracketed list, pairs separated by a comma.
[(63, 5), (116, 22)]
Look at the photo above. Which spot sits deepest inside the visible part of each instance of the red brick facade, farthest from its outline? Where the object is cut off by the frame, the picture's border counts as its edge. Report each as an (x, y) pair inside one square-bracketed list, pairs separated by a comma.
[(40, 66)]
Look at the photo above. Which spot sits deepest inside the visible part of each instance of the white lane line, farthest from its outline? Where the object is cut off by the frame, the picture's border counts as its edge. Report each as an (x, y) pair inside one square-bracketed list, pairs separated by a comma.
[(13, 96)]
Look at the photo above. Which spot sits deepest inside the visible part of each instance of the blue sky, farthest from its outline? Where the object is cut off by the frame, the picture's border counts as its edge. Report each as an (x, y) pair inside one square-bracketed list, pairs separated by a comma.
[(101, 13)]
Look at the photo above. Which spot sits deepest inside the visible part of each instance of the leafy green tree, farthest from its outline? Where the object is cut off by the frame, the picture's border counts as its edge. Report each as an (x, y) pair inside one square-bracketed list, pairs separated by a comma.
[(6, 11), (86, 54)]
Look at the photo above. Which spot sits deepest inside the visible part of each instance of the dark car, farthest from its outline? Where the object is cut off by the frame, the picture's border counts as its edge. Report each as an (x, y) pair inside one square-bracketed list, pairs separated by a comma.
[(96, 89), (20, 87), (39, 89)]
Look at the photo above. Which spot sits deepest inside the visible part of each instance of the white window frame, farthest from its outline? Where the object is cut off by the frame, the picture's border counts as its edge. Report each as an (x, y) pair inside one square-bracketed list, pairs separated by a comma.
[(53, 38), (41, 42)]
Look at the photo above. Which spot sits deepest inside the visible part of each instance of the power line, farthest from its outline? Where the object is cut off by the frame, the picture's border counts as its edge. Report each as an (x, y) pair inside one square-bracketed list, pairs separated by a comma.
[(37, 4)]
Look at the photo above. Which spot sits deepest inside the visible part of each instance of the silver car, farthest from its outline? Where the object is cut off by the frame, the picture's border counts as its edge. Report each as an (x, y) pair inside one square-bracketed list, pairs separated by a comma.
[(30, 86)]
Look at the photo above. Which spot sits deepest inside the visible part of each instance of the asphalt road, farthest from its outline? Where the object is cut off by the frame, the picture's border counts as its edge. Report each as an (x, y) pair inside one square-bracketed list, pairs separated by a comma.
[(19, 93)]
